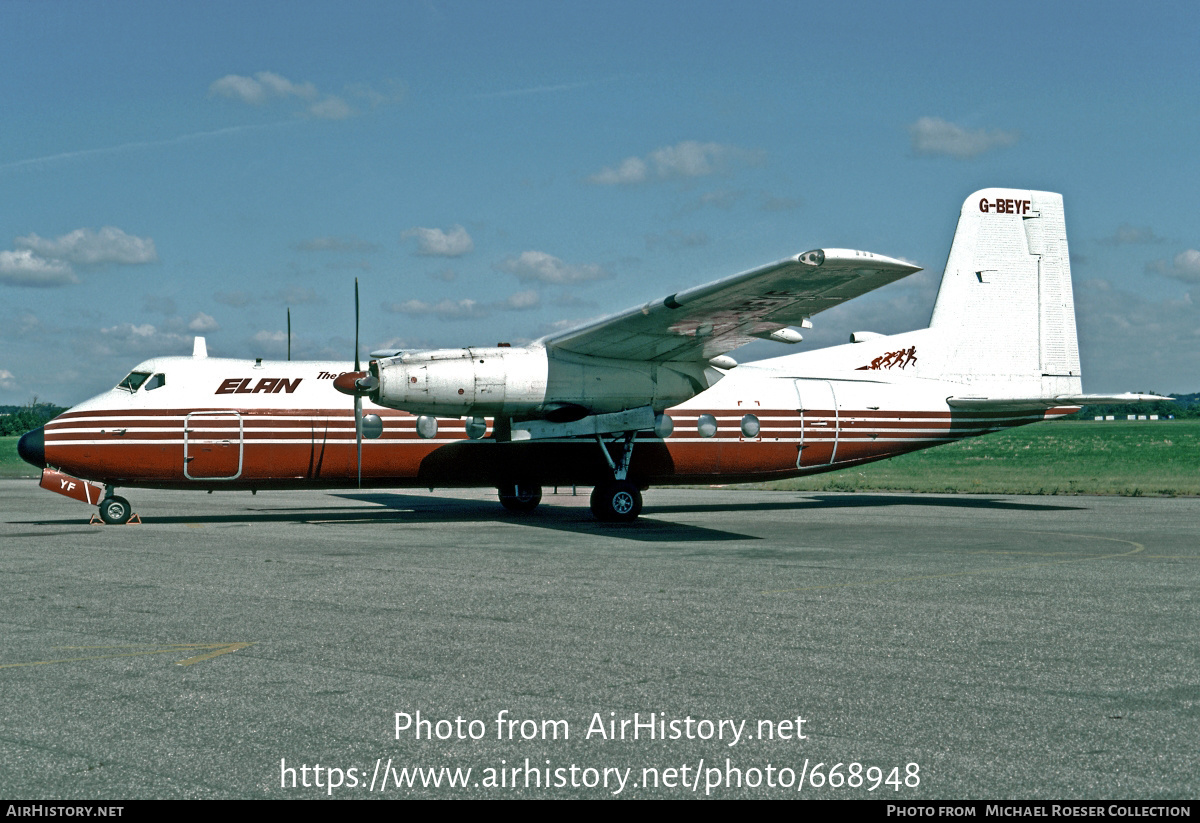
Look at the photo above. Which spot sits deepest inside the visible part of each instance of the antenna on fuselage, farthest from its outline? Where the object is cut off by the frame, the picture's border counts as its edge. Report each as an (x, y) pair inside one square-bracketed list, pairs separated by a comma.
[(289, 332)]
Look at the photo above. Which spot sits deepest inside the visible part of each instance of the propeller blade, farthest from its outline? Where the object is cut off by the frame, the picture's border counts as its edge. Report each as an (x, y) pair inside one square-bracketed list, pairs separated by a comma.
[(358, 434), (357, 397)]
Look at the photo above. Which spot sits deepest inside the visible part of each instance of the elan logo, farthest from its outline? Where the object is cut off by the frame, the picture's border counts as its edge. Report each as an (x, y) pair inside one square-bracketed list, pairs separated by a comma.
[(267, 385)]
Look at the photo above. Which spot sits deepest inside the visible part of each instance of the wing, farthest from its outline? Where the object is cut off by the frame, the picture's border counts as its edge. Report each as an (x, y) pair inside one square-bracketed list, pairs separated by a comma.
[(710, 320)]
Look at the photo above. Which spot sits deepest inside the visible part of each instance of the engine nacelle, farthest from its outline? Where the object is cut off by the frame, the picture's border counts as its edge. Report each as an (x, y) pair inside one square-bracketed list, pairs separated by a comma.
[(530, 382)]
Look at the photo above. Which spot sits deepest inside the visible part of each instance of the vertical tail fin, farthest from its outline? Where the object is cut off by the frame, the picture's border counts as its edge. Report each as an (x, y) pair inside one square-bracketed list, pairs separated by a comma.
[(1005, 314)]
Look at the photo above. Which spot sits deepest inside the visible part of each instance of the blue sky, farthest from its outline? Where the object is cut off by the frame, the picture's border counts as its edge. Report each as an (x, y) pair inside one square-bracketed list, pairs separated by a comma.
[(494, 171)]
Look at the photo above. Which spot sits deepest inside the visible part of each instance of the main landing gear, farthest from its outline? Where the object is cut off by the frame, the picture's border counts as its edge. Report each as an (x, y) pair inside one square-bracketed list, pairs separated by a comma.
[(617, 500), (520, 497)]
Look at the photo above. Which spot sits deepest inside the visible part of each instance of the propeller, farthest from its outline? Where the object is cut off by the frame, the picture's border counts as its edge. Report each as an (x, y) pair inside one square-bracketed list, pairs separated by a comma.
[(357, 384)]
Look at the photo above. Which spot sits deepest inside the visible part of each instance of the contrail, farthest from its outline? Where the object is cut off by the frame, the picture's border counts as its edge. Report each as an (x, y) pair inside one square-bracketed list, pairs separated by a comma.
[(139, 144)]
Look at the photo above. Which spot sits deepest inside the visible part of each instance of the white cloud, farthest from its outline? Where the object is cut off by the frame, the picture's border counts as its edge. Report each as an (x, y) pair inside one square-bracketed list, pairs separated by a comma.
[(257, 89), (438, 243), (92, 248), (688, 159), (145, 338), (934, 136), (7, 381), (202, 322), (282, 87), (630, 170), (24, 268), (246, 89), (1185, 266), (1127, 234), (537, 266), (523, 300), (267, 85), (465, 308), (332, 108), (462, 309)]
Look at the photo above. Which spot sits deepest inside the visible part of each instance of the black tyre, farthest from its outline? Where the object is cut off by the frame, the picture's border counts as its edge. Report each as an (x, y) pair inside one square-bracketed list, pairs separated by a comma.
[(619, 501), (521, 497), (115, 511)]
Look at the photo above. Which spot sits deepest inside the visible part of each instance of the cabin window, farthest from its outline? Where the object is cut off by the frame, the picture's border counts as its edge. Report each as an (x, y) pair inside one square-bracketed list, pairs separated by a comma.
[(133, 381), (706, 425), (750, 426), (156, 382)]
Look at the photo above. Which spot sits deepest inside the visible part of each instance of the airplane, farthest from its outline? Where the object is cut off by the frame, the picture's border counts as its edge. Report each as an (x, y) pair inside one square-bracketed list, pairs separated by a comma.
[(647, 397)]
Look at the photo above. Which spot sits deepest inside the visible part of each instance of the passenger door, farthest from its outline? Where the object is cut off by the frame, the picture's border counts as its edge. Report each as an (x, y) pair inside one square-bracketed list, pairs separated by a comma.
[(212, 445), (820, 423)]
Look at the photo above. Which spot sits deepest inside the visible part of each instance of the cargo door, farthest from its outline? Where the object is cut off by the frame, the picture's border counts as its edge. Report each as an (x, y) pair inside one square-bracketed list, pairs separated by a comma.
[(819, 423), (212, 445)]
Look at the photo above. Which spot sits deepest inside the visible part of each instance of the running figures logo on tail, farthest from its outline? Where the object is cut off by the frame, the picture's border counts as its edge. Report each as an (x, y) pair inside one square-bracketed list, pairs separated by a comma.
[(899, 359)]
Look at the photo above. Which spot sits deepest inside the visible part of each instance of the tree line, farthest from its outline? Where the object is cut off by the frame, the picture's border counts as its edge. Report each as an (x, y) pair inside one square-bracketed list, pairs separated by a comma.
[(1181, 406), (16, 420)]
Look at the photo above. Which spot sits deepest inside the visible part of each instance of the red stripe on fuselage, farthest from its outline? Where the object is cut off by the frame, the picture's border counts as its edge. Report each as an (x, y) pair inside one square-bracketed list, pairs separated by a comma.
[(284, 448)]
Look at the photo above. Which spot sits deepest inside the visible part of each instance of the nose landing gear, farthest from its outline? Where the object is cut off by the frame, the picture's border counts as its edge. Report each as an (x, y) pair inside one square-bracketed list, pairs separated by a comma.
[(116, 511)]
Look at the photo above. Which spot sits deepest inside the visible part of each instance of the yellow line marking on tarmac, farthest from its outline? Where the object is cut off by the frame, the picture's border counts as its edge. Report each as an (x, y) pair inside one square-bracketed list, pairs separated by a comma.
[(174, 648), (1138, 547)]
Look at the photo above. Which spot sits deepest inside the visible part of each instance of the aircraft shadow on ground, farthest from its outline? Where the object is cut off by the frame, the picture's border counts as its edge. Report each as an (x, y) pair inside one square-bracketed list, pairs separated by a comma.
[(408, 509), (841, 500)]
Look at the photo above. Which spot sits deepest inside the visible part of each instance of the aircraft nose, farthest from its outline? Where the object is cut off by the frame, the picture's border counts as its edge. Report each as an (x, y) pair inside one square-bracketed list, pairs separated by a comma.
[(32, 447)]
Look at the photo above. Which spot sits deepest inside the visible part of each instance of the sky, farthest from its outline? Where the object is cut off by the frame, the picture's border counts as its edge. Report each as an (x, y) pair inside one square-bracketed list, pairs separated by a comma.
[(498, 171)]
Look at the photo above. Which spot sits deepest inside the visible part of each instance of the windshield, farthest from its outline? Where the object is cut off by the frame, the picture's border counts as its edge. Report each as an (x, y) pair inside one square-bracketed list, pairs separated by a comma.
[(134, 381)]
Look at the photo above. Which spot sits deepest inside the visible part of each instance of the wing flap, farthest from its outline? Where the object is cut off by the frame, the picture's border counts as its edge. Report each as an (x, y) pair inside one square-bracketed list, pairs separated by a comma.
[(703, 322)]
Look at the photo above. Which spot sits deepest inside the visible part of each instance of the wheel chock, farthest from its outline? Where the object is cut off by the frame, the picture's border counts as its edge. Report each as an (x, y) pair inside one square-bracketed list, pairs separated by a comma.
[(95, 521), (134, 520)]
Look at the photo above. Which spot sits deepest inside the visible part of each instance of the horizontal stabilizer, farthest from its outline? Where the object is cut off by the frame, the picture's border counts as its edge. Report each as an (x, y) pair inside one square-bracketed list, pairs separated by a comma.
[(1004, 403)]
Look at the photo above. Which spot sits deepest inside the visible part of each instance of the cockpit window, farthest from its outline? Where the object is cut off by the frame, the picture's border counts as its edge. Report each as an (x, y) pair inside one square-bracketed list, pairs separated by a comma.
[(156, 382), (134, 381)]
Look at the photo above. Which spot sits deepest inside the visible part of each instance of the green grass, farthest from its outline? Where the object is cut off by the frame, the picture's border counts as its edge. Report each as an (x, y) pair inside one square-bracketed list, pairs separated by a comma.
[(11, 464), (1063, 457)]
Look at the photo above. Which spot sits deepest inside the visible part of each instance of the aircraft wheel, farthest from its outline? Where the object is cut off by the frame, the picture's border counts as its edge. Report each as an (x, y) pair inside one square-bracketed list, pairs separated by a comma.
[(115, 511), (619, 501), (520, 497)]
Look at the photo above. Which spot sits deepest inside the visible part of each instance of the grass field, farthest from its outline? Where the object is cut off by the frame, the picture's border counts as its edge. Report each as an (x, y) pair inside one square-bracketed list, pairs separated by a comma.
[(1063, 457), (11, 465), (1060, 457)]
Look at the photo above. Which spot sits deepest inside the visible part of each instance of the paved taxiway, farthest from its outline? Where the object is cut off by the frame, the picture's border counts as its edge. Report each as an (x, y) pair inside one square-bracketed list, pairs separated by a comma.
[(1011, 646)]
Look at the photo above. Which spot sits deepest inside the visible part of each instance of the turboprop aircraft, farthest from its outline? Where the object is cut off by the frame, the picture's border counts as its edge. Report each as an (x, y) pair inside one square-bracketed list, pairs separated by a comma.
[(646, 397)]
